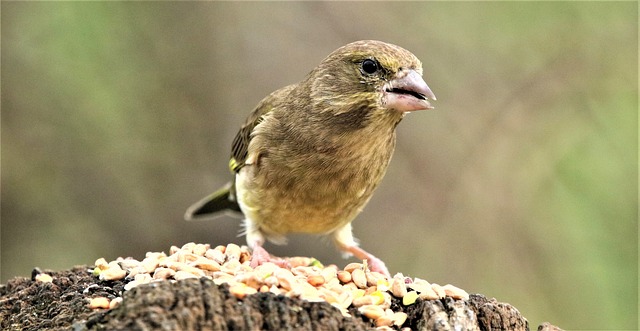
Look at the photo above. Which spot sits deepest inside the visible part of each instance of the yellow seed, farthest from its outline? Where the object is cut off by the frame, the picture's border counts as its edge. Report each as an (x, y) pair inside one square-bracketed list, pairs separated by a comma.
[(374, 277), (382, 284), (378, 297), (101, 264), (316, 263), (370, 290), (357, 293), (410, 298)]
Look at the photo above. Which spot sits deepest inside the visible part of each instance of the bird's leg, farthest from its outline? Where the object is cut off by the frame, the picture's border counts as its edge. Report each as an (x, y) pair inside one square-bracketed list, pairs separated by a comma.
[(374, 263), (343, 238), (255, 240), (259, 255)]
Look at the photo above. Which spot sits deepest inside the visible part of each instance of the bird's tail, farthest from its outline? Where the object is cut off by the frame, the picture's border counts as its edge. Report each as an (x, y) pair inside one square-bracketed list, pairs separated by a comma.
[(219, 201)]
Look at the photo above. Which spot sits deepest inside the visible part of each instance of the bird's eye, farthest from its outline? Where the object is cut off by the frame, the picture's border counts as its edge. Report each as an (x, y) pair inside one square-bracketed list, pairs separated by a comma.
[(369, 66)]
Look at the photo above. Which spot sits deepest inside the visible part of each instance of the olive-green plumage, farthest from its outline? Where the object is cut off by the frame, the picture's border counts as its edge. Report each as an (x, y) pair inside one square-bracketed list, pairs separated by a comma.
[(310, 155)]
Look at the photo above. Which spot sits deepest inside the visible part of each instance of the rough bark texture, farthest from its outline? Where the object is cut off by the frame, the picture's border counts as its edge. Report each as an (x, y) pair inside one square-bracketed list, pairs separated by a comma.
[(199, 304)]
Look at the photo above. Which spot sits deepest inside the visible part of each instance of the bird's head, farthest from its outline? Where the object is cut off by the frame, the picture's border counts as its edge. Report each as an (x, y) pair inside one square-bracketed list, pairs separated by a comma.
[(370, 76)]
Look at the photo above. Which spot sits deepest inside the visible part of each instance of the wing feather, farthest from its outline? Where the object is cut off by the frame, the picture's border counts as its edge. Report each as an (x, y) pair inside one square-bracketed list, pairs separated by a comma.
[(240, 145)]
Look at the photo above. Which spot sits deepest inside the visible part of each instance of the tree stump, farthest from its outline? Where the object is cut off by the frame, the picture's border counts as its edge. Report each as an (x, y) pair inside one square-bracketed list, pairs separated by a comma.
[(200, 304)]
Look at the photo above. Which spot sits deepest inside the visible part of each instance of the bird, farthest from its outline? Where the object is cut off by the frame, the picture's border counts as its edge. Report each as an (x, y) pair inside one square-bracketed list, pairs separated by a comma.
[(310, 155)]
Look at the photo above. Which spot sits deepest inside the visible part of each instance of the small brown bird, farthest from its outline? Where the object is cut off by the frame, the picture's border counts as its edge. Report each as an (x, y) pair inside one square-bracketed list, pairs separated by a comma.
[(310, 154)]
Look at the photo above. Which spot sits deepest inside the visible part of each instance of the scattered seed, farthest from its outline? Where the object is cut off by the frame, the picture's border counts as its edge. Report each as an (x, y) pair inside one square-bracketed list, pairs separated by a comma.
[(163, 273), (353, 266), (344, 276), (215, 255), (429, 294), (371, 311), (306, 278), (113, 273), (439, 291), (101, 264), (179, 275), (358, 277), (398, 287), (384, 321), (399, 318), (99, 302), (207, 264), (44, 278), (233, 252), (115, 302), (188, 246), (455, 292), (200, 249), (410, 298), (315, 280), (363, 301)]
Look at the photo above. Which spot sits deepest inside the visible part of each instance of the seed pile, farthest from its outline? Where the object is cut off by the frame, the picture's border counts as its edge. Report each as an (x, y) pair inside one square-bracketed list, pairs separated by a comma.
[(305, 278)]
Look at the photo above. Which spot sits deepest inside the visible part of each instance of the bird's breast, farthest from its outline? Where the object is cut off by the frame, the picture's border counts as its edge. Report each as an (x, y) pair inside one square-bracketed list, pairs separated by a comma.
[(315, 186)]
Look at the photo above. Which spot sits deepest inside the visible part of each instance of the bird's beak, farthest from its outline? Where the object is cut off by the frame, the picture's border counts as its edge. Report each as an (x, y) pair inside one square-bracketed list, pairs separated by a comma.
[(407, 92)]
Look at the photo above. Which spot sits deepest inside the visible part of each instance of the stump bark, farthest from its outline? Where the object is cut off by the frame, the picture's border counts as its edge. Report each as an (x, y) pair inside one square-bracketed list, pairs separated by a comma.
[(200, 304)]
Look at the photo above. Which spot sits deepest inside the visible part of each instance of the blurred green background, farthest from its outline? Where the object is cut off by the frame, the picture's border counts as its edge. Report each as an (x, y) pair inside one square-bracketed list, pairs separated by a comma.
[(522, 184)]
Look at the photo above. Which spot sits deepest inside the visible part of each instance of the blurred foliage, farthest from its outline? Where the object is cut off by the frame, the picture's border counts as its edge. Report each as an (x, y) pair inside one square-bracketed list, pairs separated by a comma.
[(522, 184)]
